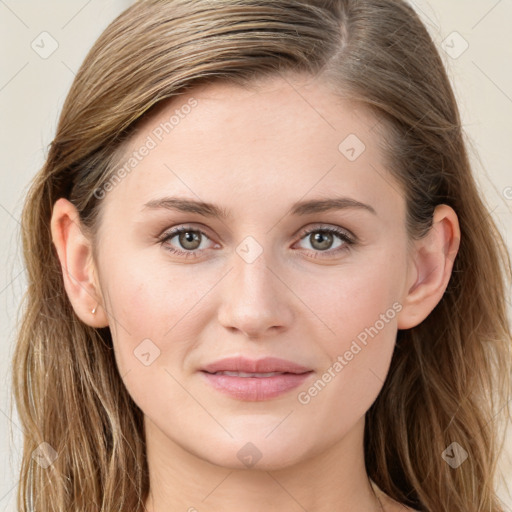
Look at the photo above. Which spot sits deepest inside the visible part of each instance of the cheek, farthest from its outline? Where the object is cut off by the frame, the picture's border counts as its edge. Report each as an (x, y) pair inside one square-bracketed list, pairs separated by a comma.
[(350, 299), (360, 310), (355, 309), (150, 308), (155, 308)]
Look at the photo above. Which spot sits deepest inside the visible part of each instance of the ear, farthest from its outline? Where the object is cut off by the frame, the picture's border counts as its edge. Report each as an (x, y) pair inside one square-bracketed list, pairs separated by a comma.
[(430, 267), (78, 269)]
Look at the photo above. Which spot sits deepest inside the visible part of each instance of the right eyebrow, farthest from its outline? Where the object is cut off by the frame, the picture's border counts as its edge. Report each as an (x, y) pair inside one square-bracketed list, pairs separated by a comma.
[(188, 206)]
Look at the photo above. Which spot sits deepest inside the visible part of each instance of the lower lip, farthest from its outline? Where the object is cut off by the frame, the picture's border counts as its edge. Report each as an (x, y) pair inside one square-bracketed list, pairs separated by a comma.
[(256, 388)]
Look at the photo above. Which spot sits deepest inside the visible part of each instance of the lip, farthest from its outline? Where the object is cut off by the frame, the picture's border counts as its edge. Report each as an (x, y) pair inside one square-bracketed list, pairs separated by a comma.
[(255, 388), (265, 365)]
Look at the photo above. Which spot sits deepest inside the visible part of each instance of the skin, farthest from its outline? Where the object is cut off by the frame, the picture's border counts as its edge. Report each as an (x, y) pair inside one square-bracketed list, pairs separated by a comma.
[(254, 152)]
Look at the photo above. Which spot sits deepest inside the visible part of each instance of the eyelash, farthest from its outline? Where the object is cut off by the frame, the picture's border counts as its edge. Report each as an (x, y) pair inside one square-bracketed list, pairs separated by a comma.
[(343, 235)]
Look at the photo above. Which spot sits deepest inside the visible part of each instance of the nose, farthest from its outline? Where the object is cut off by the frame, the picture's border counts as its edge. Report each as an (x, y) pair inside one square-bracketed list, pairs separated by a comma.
[(255, 299)]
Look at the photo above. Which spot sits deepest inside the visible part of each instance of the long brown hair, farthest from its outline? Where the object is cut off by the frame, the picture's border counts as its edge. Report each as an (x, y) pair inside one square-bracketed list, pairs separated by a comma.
[(449, 376)]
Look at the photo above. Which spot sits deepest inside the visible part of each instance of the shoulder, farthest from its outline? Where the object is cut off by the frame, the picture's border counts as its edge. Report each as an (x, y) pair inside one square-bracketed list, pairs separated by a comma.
[(390, 505), (393, 506)]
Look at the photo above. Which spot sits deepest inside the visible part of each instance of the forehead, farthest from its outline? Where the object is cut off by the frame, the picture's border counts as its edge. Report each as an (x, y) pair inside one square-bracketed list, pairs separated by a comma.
[(278, 140)]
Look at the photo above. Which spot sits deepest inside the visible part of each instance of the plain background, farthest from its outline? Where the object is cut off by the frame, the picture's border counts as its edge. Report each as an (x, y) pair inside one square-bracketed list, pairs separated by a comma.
[(476, 44)]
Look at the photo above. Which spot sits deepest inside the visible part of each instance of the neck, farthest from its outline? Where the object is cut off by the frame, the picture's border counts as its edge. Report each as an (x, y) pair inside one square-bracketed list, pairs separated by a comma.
[(332, 479)]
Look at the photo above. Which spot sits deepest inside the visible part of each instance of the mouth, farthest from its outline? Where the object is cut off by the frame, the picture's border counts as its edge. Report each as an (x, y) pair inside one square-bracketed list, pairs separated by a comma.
[(245, 367), (254, 380), (255, 375), (254, 386)]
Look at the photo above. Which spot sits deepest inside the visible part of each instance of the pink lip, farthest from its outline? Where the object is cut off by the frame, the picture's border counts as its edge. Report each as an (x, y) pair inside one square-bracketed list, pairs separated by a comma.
[(255, 388), (265, 365)]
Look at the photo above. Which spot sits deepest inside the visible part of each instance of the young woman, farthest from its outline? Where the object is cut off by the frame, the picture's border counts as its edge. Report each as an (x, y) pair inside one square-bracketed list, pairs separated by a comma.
[(261, 275)]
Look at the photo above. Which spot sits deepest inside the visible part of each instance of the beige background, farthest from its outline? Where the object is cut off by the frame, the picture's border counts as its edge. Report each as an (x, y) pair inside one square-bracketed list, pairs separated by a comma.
[(476, 44)]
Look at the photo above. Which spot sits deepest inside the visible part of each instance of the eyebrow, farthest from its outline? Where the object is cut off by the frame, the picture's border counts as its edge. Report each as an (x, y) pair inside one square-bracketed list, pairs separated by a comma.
[(299, 208)]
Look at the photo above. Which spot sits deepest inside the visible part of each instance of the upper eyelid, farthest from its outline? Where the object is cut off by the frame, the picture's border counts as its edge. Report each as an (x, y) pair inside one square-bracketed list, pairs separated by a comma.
[(320, 227)]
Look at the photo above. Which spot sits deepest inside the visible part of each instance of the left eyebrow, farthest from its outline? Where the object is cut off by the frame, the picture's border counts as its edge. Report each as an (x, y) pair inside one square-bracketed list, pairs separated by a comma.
[(299, 208), (323, 205)]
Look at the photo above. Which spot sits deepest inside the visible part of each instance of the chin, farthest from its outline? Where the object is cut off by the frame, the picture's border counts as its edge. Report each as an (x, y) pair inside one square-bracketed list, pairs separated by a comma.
[(261, 455)]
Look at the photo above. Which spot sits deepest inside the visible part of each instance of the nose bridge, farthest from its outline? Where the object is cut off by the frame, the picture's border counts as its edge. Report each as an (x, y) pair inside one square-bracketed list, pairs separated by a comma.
[(252, 278), (253, 301)]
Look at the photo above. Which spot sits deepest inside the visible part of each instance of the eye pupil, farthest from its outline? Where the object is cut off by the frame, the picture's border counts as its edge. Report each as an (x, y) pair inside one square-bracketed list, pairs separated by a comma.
[(189, 237), (324, 238)]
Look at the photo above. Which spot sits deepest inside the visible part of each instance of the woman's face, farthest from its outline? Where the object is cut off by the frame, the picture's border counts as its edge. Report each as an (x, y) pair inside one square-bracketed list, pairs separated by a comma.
[(247, 280)]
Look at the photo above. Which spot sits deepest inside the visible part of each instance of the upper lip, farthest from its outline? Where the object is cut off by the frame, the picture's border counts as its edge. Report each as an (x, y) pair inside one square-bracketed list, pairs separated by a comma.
[(265, 365)]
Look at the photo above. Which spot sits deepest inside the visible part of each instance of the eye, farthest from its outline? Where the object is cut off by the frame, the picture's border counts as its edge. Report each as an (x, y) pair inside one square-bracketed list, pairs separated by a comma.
[(188, 238), (321, 239)]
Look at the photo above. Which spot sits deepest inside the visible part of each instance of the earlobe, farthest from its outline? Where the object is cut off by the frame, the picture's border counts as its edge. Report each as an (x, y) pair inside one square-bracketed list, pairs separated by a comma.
[(431, 268), (76, 259)]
